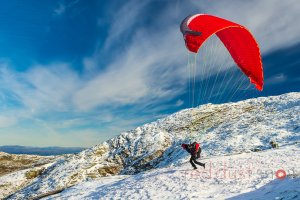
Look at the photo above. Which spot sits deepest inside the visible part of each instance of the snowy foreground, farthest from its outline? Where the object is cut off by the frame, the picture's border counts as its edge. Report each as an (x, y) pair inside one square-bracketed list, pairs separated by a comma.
[(148, 162), (243, 176)]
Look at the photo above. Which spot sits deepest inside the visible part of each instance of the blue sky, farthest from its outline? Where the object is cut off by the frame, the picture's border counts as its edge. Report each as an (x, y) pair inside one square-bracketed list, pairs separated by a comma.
[(75, 73)]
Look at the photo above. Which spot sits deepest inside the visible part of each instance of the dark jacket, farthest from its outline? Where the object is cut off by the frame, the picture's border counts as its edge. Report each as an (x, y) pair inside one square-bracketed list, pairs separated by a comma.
[(194, 149)]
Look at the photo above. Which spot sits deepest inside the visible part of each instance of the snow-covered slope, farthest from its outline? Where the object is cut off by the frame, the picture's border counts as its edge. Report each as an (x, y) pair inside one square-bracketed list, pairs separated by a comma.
[(221, 129), (237, 177), (17, 171), (14, 162)]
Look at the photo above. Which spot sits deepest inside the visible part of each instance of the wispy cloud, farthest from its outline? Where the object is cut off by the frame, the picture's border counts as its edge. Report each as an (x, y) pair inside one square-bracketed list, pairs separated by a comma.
[(42, 88), (278, 78), (149, 69), (179, 102), (145, 74), (123, 21), (271, 21), (62, 7), (153, 64)]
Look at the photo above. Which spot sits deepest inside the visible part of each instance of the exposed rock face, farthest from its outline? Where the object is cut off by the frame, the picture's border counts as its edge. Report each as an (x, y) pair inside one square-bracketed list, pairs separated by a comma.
[(13, 162), (17, 171), (34, 173), (229, 128)]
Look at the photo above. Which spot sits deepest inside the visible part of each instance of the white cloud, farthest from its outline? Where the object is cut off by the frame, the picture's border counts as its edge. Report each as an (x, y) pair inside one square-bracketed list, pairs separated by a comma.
[(114, 86), (271, 21), (62, 7), (90, 64), (123, 20), (42, 88), (179, 103), (278, 78), (148, 70)]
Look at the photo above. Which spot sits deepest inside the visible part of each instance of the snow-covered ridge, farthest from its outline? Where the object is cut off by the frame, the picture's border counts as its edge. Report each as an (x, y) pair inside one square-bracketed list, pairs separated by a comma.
[(239, 177), (221, 129)]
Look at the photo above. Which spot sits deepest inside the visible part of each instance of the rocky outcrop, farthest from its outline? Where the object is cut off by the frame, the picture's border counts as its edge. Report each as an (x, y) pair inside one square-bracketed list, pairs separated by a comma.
[(12, 162)]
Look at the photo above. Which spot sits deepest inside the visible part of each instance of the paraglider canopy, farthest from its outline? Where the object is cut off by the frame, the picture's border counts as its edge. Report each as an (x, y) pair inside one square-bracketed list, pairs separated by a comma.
[(240, 43)]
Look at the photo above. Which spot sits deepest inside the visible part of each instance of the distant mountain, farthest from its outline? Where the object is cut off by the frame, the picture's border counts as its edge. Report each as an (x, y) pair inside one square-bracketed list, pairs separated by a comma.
[(42, 151)]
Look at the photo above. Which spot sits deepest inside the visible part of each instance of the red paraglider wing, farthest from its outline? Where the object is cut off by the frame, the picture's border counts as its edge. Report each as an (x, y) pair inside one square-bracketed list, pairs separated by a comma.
[(237, 39)]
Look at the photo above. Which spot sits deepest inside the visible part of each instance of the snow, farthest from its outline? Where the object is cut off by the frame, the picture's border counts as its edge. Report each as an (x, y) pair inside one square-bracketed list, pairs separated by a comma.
[(11, 182), (157, 167), (243, 176), (16, 180)]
